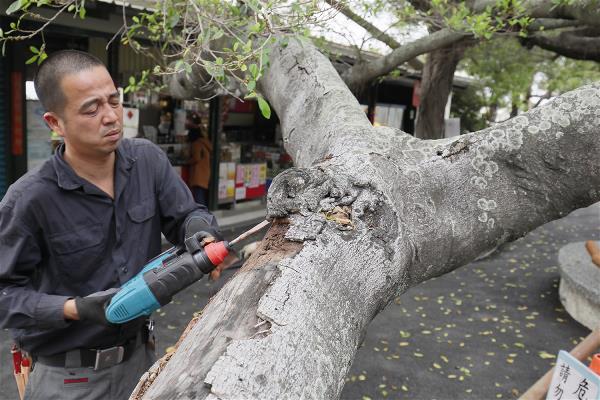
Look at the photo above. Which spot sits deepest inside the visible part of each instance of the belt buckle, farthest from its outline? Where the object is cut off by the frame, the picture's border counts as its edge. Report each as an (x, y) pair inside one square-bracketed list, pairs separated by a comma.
[(109, 357)]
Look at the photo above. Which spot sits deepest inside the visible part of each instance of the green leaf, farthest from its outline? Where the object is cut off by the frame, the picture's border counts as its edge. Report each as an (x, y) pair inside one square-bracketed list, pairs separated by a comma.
[(173, 20), (264, 107), (82, 13), (32, 59), (34, 50), (42, 57), (255, 28), (218, 34), (253, 70), (15, 6), (71, 8), (251, 86), (132, 80)]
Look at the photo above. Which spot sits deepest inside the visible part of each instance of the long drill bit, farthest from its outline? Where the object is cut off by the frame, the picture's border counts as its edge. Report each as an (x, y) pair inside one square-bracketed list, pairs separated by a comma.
[(250, 232)]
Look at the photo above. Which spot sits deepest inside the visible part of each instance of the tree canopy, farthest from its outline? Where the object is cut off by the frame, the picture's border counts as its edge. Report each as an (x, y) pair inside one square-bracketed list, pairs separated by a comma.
[(221, 47)]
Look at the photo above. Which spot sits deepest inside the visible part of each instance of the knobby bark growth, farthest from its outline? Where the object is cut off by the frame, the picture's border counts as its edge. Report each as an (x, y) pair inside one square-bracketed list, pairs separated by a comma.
[(367, 213)]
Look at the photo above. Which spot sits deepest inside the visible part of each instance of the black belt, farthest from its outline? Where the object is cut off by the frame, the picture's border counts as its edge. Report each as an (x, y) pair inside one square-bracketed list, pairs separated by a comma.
[(94, 358)]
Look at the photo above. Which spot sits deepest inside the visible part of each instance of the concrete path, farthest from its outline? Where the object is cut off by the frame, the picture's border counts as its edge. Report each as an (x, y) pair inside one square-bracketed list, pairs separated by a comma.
[(486, 331)]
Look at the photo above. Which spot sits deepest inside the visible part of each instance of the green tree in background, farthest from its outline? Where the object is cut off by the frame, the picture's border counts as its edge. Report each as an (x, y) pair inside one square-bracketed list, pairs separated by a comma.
[(511, 77)]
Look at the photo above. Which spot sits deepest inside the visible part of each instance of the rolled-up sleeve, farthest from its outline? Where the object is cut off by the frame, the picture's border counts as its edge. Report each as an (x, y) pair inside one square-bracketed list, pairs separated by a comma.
[(20, 305)]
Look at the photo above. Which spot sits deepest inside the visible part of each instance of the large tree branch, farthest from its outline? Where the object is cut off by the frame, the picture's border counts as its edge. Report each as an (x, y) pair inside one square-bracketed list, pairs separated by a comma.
[(580, 44), (585, 11), (389, 212), (364, 72), (318, 114)]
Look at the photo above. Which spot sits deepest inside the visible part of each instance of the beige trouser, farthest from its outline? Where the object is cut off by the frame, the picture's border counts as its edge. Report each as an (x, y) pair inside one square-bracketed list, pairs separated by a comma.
[(114, 383)]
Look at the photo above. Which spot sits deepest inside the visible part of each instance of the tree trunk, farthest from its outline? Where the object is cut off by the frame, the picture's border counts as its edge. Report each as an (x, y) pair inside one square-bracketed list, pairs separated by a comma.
[(438, 75), (368, 213)]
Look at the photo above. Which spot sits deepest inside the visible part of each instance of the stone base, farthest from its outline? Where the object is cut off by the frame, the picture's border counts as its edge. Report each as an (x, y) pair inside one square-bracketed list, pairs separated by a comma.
[(579, 289)]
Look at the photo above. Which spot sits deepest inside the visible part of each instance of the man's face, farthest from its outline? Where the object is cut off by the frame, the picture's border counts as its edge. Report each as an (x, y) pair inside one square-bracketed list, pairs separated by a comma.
[(92, 119)]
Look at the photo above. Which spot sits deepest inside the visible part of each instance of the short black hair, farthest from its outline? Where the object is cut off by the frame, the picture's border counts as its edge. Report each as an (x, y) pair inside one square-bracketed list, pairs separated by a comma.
[(53, 69)]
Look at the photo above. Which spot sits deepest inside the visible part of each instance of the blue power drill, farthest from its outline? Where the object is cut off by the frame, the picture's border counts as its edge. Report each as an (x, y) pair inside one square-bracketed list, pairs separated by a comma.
[(164, 276), (168, 274)]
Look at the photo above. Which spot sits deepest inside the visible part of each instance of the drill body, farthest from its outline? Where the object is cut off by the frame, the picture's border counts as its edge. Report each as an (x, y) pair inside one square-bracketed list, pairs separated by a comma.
[(164, 276)]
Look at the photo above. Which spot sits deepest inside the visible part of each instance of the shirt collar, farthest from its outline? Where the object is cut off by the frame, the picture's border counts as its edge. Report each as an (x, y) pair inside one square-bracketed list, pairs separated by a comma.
[(67, 178)]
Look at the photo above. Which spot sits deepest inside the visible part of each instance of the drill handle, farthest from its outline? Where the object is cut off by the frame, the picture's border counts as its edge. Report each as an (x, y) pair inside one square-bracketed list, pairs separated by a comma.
[(176, 275)]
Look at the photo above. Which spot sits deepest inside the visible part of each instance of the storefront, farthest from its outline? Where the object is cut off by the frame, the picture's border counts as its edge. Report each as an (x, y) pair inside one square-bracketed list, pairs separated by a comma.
[(245, 149)]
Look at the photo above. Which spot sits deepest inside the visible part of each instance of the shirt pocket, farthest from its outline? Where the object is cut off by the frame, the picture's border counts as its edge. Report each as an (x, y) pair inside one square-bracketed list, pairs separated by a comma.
[(143, 211), (78, 250)]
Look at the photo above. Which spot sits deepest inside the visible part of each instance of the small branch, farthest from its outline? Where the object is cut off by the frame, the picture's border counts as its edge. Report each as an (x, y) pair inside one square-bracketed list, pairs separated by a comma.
[(372, 29)]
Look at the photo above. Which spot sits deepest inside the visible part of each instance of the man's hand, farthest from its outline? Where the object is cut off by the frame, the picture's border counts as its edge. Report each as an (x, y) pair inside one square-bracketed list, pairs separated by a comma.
[(206, 238), (92, 308), (198, 225)]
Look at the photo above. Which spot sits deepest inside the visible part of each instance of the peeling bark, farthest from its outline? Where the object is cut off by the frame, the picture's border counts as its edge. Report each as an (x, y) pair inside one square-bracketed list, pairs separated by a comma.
[(289, 323)]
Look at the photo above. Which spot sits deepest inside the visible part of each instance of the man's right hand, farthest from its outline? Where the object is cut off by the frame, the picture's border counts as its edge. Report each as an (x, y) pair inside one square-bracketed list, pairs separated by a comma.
[(92, 308)]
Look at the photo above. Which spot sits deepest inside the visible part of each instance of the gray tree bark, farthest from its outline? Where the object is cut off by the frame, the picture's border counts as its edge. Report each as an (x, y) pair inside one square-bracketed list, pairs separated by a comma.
[(368, 213)]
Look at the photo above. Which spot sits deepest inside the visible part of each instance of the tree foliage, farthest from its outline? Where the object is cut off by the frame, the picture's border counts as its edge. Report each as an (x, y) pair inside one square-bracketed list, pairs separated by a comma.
[(222, 46), (511, 76)]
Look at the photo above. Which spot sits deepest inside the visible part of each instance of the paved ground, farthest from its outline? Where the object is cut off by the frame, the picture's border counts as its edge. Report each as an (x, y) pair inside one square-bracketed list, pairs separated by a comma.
[(486, 331)]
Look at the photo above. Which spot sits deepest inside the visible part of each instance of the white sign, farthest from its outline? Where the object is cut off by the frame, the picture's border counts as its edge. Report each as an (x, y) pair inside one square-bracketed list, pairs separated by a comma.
[(131, 119), (240, 193), (572, 380)]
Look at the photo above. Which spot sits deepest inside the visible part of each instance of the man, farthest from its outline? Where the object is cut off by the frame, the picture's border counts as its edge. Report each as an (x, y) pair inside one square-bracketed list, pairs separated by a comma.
[(200, 148), (86, 221)]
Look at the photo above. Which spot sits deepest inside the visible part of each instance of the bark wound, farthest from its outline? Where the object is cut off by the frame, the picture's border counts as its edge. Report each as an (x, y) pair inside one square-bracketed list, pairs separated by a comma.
[(148, 378), (274, 247)]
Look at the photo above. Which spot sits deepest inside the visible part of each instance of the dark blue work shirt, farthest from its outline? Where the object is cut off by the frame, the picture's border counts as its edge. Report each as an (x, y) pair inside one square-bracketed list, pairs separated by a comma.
[(61, 237)]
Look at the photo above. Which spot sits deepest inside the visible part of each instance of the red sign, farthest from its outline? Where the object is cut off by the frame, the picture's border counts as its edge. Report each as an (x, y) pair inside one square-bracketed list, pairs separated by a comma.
[(416, 97), (16, 115)]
